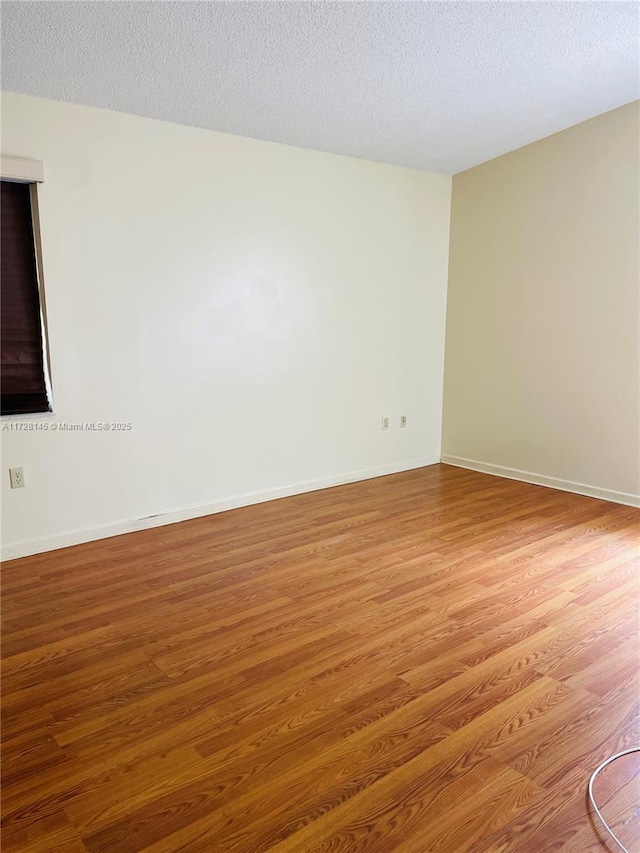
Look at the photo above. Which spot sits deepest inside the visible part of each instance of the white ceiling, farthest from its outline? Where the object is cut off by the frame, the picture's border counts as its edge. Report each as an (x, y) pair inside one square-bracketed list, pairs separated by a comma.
[(434, 85)]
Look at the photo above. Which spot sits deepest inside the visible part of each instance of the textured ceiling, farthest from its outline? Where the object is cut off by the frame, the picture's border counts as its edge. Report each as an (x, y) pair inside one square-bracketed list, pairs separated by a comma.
[(434, 85)]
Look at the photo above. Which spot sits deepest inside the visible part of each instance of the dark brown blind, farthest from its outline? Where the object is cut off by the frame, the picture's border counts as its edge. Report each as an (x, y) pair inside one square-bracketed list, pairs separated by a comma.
[(22, 378)]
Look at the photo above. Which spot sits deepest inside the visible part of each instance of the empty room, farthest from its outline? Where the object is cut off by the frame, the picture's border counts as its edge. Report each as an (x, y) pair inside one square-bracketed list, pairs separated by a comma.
[(320, 434)]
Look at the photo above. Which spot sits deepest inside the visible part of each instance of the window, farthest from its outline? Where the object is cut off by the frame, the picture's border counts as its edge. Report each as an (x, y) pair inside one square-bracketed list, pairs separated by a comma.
[(24, 376)]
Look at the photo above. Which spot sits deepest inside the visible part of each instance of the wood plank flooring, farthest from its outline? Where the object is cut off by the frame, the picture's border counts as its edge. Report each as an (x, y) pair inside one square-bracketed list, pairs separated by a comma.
[(430, 661)]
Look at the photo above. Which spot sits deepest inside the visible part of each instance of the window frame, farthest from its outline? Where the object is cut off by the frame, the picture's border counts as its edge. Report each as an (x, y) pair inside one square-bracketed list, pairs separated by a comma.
[(22, 171)]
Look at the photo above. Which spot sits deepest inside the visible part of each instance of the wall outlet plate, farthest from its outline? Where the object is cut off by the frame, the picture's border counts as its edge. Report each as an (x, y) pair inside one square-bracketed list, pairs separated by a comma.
[(16, 475), (403, 421), (385, 423)]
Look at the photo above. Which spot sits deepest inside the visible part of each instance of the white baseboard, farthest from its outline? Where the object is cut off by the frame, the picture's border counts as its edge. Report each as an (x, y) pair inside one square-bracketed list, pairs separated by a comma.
[(541, 480), (116, 528)]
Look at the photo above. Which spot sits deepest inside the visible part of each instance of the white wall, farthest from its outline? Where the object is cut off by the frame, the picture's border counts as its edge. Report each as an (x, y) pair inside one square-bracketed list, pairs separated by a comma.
[(252, 309), (542, 356)]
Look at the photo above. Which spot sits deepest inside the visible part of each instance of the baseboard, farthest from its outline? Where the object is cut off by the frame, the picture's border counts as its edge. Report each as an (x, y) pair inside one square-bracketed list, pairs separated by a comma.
[(541, 480), (104, 531)]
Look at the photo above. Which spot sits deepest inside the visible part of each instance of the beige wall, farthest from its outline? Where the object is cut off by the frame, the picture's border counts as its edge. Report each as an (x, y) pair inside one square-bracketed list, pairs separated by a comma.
[(541, 369), (252, 310)]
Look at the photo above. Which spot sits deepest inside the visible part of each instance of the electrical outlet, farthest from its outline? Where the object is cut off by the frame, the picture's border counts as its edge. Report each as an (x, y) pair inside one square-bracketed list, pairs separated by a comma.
[(403, 421), (16, 475), (385, 423)]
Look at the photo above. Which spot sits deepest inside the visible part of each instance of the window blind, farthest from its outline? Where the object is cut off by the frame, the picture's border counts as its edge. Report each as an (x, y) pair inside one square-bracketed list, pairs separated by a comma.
[(23, 387)]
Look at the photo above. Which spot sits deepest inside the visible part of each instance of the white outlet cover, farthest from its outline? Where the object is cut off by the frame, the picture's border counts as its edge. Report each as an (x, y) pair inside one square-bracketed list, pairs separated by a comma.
[(16, 475)]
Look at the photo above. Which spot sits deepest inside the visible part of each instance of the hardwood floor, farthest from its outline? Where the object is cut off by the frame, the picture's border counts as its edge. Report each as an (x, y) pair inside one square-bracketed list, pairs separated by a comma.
[(430, 661)]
